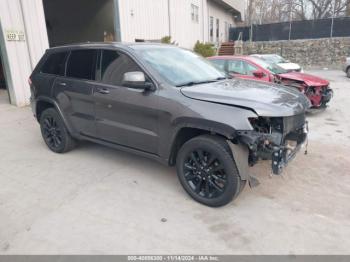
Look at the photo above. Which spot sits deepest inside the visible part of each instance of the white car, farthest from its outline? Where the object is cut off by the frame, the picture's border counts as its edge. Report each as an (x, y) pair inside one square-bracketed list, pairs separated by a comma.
[(279, 60)]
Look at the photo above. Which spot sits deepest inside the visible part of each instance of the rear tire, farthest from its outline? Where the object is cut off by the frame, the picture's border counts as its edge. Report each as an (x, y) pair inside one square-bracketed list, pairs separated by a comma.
[(55, 133), (207, 171)]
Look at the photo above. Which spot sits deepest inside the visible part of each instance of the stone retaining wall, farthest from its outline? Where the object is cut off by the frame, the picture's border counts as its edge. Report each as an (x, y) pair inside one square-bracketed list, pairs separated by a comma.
[(311, 53)]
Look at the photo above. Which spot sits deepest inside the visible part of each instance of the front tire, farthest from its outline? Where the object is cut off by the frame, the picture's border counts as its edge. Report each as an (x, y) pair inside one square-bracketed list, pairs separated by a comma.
[(208, 172), (55, 133)]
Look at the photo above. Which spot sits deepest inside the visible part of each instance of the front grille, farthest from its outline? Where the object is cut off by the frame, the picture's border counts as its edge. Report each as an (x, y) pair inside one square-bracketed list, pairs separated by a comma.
[(292, 123)]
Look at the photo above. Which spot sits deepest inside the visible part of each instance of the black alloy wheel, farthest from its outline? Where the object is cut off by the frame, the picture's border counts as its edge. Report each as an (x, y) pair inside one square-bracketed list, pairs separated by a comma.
[(205, 174), (207, 171), (54, 132)]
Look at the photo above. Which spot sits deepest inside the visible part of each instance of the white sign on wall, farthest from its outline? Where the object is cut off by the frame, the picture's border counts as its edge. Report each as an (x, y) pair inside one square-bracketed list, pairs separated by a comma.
[(15, 35)]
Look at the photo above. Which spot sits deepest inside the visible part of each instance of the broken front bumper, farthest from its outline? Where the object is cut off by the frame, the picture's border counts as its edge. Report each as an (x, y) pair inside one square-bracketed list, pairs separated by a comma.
[(266, 147), (327, 96), (284, 154)]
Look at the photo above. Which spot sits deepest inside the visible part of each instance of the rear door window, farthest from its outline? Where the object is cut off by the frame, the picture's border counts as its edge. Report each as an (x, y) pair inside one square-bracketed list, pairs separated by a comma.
[(55, 64), (250, 69), (82, 64), (114, 65), (236, 67)]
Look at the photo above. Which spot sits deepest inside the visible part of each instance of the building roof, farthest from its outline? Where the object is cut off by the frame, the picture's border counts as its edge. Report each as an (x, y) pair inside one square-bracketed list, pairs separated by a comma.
[(234, 6)]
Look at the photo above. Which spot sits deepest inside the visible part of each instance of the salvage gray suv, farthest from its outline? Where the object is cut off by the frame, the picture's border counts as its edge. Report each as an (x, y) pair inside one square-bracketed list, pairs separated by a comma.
[(170, 105)]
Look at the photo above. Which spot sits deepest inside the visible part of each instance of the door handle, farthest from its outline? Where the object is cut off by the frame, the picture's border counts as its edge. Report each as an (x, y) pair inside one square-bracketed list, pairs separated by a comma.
[(62, 84), (102, 91)]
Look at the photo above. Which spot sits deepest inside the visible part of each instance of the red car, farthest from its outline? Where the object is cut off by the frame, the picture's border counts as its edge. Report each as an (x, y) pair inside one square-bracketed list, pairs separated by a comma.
[(248, 67)]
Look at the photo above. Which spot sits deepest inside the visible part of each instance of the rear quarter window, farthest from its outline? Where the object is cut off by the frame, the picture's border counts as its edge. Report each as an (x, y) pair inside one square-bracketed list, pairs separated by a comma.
[(55, 64)]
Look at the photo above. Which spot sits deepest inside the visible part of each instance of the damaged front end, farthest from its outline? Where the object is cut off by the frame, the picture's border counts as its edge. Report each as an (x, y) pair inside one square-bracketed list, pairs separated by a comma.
[(318, 95), (274, 138)]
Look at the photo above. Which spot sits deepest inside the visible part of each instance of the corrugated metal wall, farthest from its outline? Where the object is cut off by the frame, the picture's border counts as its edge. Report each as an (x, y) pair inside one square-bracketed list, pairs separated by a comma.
[(21, 56), (185, 31), (140, 19), (149, 20)]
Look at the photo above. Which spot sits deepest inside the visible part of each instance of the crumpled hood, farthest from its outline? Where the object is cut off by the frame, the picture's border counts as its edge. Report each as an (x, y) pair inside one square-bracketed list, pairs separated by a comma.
[(309, 80), (265, 99)]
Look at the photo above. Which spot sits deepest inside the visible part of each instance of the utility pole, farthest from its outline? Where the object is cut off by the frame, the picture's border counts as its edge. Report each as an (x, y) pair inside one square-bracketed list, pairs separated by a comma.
[(251, 18), (290, 19), (169, 18), (333, 19)]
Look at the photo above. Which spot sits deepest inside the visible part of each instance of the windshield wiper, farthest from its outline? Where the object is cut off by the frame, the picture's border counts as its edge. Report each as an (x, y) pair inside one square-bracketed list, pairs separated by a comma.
[(192, 83)]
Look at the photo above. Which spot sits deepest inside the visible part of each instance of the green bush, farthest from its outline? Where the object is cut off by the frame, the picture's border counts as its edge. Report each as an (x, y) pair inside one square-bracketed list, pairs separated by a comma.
[(204, 49), (166, 40)]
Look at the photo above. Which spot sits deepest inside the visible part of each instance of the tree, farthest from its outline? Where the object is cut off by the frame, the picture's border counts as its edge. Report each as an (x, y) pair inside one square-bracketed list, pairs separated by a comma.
[(271, 11), (328, 8)]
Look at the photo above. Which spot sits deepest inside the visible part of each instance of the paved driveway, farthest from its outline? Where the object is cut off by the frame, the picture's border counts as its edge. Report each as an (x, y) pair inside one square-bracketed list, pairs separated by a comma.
[(95, 200)]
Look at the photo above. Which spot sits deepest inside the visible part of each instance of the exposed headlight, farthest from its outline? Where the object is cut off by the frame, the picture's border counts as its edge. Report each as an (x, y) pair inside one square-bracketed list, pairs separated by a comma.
[(266, 125)]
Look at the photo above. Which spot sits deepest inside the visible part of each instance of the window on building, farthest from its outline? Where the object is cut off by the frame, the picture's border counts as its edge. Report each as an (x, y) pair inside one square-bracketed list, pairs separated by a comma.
[(211, 29), (194, 13), (218, 30), (55, 64), (82, 64), (226, 31), (114, 65)]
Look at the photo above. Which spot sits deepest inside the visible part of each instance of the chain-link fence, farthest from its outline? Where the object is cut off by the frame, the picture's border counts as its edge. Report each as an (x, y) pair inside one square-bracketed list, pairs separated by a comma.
[(306, 29)]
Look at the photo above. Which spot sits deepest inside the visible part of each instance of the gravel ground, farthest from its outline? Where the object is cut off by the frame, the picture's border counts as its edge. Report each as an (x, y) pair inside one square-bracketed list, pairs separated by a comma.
[(96, 200)]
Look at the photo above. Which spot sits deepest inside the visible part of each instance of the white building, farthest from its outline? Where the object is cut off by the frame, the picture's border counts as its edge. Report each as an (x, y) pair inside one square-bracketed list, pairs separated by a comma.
[(29, 27)]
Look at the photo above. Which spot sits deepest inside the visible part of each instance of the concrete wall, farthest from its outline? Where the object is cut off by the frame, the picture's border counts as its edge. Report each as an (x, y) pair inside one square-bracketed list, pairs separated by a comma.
[(20, 57), (312, 53), (72, 21)]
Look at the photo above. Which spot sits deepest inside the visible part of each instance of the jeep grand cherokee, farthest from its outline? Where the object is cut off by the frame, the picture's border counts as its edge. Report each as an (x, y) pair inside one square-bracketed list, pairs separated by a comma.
[(171, 105)]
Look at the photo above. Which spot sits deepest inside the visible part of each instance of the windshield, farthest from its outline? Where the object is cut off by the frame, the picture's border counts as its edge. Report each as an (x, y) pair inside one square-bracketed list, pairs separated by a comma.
[(275, 59), (178, 66), (273, 68)]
